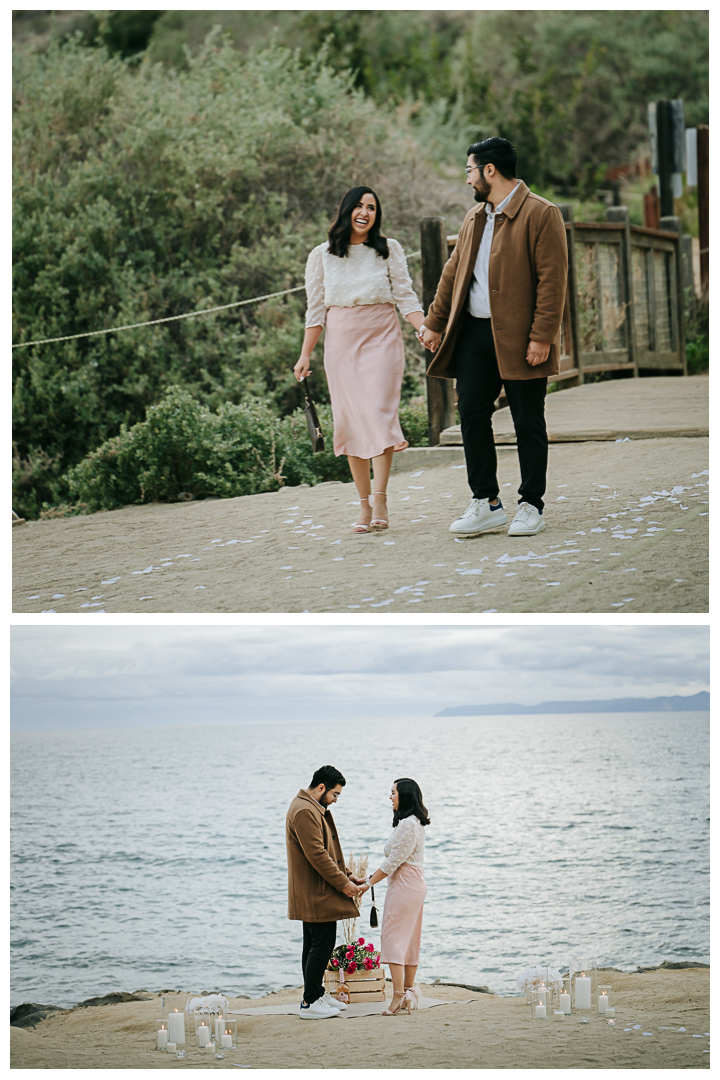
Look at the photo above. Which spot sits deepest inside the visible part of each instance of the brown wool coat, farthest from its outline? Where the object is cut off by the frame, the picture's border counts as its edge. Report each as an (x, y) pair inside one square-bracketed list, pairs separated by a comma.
[(527, 282), (316, 869)]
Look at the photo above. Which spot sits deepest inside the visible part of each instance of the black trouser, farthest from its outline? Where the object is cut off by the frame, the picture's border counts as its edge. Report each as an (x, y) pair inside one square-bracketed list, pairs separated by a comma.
[(318, 944), (478, 386)]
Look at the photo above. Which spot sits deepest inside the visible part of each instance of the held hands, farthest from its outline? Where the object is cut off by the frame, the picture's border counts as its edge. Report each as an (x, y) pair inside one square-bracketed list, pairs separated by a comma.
[(537, 352), (429, 339), (351, 889)]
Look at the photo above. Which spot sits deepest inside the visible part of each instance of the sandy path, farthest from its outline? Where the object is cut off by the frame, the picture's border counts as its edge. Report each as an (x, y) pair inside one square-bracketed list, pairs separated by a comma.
[(293, 550), (484, 1033)]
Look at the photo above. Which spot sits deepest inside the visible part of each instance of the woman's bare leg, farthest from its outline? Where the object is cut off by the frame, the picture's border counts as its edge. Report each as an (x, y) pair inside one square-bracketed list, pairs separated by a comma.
[(397, 971), (360, 469), (410, 973), (381, 475)]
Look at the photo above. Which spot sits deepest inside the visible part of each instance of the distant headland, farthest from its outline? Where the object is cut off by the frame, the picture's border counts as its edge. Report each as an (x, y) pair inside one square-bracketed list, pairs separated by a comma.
[(692, 703)]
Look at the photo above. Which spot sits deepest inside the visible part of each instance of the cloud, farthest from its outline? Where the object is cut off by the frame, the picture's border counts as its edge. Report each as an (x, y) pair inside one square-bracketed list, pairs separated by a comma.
[(123, 675)]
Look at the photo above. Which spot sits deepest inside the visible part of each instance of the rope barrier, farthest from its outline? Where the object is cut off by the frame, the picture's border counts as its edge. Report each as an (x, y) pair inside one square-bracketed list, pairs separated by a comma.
[(170, 318)]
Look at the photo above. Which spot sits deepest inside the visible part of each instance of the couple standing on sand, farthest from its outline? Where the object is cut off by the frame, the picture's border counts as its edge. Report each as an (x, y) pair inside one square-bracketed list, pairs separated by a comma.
[(499, 304), (321, 888)]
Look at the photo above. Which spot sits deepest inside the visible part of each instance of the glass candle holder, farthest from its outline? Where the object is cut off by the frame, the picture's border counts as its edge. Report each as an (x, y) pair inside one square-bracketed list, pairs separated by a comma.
[(603, 998), (161, 1034), (218, 1028), (534, 1000), (565, 996), (582, 990), (229, 1032), (203, 1030)]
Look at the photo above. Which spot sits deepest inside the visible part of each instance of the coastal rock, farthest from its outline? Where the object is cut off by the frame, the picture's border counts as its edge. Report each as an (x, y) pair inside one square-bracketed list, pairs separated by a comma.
[(466, 986), (29, 1014), (672, 965), (113, 999)]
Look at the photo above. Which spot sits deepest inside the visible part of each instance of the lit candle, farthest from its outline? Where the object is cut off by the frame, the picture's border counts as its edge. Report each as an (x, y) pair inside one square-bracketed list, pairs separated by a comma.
[(176, 1027), (226, 1040), (558, 1014), (602, 1002), (565, 1003), (203, 1035), (582, 992), (162, 1038), (218, 1028), (540, 1012)]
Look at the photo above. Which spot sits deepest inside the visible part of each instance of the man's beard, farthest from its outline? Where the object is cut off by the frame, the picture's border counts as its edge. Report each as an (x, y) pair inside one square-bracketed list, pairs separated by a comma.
[(482, 194)]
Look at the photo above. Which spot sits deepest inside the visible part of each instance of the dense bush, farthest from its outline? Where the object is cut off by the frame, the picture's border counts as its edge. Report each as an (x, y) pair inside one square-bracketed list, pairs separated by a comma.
[(183, 446)]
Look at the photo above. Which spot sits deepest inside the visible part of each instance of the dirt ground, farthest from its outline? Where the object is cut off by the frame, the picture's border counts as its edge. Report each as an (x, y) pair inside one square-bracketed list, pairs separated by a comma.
[(484, 1033), (627, 530)]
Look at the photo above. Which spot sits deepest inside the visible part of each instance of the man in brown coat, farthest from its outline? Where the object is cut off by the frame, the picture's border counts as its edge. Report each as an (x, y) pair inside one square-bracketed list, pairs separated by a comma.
[(320, 886), (500, 304)]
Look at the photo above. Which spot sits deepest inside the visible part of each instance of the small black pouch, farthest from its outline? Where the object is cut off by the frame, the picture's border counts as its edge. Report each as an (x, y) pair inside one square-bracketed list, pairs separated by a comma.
[(316, 436)]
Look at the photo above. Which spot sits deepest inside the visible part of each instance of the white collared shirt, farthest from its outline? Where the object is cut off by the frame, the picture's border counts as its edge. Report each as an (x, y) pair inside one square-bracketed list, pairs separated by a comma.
[(479, 295)]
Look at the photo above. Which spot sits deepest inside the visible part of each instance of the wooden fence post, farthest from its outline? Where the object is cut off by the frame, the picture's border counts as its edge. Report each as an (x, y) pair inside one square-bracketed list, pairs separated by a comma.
[(703, 150), (665, 156), (567, 212), (622, 214), (673, 224), (440, 392)]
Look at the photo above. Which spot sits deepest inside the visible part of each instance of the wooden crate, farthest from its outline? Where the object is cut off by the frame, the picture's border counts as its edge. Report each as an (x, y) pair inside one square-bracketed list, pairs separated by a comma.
[(364, 985)]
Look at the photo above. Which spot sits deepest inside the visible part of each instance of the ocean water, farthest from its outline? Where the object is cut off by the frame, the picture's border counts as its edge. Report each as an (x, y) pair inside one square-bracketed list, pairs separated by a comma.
[(155, 858)]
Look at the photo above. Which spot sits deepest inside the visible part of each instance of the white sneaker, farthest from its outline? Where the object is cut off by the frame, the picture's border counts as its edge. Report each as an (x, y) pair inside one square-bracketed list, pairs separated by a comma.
[(334, 1003), (317, 1011), (527, 522), (479, 516)]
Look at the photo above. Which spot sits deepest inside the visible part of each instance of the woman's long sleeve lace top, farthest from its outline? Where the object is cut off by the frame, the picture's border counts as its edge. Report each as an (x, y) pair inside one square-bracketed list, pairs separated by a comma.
[(362, 277), (405, 845)]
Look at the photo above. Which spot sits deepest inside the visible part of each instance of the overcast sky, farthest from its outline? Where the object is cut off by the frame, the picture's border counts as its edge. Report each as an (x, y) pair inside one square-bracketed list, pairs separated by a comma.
[(118, 676)]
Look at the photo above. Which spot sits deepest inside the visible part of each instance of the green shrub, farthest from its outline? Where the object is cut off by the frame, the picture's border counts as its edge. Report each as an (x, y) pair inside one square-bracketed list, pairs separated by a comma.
[(414, 422), (182, 446), (697, 334)]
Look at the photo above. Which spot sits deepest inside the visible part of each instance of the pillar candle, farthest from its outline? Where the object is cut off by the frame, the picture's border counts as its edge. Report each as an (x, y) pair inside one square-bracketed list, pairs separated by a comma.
[(162, 1038), (218, 1028), (582, 993), (610, 1010), (543, 995), (176, 1027), (226, 1041), (171, 1047), (558, 1014), (602, 1002), (565, 1002), (540, 1012), (203, 1035)]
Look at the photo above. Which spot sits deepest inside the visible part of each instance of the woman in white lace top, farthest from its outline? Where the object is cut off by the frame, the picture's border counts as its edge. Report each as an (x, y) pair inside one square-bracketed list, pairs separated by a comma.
[(403, 909), (353, 282)]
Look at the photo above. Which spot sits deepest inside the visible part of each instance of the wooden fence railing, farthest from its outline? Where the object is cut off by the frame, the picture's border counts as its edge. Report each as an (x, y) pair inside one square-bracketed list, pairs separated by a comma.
[(624, 308)]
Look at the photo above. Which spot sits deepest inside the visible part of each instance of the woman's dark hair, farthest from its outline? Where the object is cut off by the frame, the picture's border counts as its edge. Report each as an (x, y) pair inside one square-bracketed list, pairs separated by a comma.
[(341, 228), (498, 152), (410, 802), (328, 776)]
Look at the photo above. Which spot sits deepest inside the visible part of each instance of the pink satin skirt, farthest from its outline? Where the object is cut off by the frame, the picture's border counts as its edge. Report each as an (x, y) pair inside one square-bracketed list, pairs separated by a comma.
[(364, 364), (402, 916)]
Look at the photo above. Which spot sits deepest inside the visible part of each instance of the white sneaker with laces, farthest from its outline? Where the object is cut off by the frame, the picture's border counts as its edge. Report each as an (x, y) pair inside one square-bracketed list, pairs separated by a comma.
[(333, 1002), (478, 517), (527, 522), (319, 1010)]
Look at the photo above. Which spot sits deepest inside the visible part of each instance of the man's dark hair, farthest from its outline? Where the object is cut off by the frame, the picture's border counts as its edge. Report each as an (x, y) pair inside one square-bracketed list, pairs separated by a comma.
[(328, 776), (498, 152), (341, 228)]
